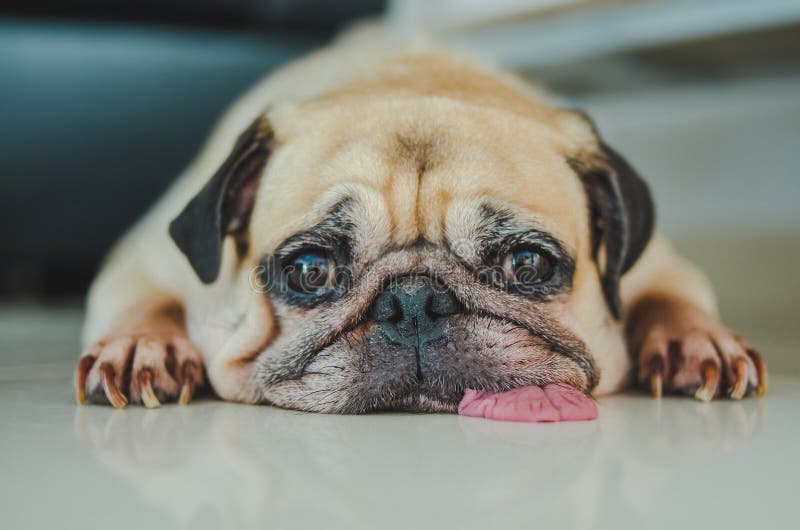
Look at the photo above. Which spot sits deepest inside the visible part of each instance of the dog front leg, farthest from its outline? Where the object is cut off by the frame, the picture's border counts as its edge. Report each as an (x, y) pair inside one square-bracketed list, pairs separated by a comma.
[(146, 357), (678, 342), (136, 346)]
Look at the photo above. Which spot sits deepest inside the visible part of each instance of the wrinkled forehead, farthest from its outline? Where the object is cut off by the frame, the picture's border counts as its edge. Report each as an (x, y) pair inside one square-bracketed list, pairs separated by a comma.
[(431, 170)]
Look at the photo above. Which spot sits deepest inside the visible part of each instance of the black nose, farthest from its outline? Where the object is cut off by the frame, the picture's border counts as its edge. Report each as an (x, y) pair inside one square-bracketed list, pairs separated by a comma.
[(413, 310)]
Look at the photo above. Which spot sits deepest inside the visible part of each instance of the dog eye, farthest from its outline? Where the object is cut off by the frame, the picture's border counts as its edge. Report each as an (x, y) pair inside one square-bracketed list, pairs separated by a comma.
[(526, 267), (310, 272)]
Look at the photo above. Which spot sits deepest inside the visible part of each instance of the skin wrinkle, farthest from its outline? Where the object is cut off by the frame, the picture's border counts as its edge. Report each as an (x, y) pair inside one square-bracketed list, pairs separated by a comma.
[(385, 190), (539, 323), (350, 309)]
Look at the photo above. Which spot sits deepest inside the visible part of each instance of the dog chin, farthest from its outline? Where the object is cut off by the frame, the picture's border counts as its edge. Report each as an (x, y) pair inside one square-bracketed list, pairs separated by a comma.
[(420, 402), (416, 400)]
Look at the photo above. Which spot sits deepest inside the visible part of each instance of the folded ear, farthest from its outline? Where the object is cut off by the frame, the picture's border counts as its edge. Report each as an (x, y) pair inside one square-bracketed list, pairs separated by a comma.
[(622, 217), (224, 205)]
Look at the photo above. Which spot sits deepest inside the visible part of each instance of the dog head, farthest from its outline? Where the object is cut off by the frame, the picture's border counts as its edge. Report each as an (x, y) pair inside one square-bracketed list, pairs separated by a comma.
[(414, 238)]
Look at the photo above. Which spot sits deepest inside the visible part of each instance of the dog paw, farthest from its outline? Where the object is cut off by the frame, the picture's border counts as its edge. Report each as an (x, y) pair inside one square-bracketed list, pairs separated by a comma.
[(144, 368), (682, 350)]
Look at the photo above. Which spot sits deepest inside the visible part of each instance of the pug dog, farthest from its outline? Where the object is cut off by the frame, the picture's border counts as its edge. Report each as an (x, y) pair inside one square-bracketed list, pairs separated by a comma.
[(373, 228)]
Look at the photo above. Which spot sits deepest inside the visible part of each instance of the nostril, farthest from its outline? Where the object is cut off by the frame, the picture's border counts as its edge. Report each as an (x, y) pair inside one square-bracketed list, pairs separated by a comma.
[(387, 308), (397, 311), (442, 304)]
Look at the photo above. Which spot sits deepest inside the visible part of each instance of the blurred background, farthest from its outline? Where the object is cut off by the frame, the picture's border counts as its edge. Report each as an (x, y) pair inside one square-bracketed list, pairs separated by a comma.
[(103, 103)]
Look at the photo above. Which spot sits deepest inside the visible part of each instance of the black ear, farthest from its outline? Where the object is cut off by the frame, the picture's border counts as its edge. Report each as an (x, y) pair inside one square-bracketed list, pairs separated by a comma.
[(622, 216), (224, 205)]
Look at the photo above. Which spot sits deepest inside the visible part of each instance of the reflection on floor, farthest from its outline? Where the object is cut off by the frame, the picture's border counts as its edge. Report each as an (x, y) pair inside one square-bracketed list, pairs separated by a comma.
[(671, 464)]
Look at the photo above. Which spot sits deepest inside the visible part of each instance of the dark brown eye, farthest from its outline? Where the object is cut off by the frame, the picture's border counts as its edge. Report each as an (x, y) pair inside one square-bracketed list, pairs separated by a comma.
[(526, 267), (310, 272)]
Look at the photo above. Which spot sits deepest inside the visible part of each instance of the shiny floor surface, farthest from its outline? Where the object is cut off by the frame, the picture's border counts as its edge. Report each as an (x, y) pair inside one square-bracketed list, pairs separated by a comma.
[(671, 464)]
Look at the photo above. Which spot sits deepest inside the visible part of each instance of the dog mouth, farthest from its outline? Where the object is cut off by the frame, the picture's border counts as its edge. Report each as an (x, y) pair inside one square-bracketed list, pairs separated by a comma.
[(554, 402), (481, 357)]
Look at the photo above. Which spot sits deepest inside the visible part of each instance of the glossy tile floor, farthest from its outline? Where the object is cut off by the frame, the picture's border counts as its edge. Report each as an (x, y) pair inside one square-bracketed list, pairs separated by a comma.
[(644, 464)]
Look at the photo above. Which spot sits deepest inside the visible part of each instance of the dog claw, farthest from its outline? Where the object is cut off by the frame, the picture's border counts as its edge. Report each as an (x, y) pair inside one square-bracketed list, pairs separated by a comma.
[(186, 393), (148, 396), (740, 385), (190, 375), (84, 365), (711, 375), (656, 377), (656, 385), (115, 397), (761, 371)]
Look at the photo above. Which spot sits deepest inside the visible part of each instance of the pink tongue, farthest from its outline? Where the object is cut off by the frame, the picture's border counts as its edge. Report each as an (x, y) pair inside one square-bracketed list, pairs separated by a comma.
[(554, 402)]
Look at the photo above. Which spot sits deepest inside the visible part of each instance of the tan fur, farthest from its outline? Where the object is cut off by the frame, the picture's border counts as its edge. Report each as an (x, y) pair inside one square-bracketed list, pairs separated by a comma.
[(418, 136)]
